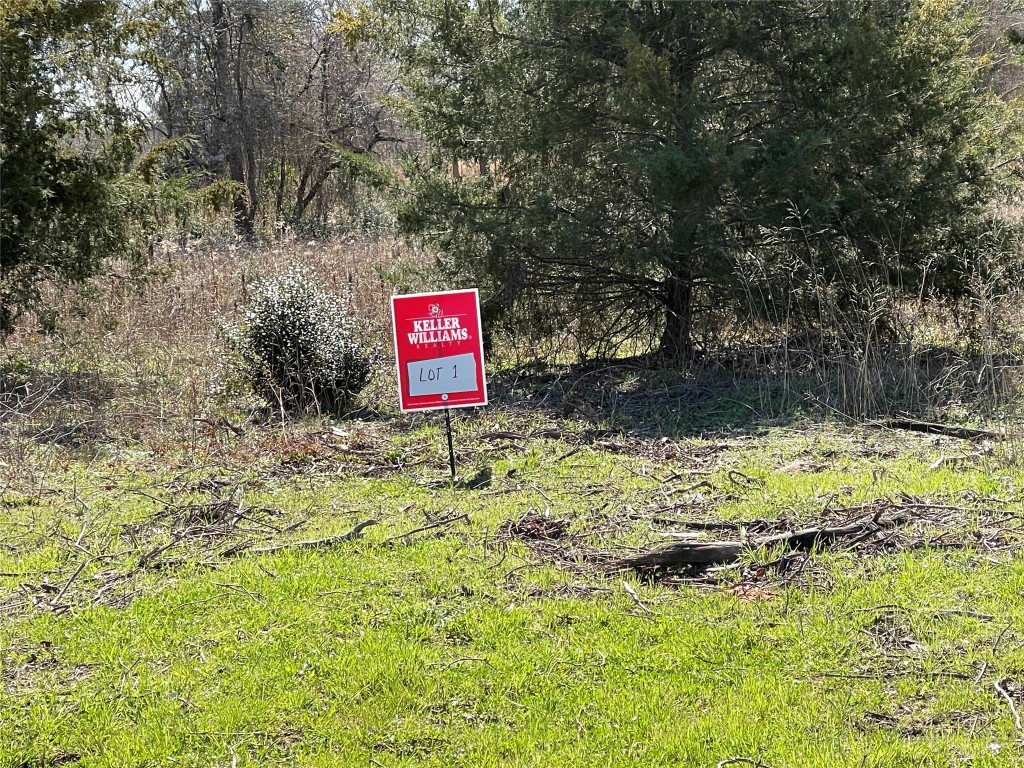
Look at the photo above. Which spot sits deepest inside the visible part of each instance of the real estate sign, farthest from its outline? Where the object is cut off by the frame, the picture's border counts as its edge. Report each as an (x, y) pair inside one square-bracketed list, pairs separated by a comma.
[(439, 350)]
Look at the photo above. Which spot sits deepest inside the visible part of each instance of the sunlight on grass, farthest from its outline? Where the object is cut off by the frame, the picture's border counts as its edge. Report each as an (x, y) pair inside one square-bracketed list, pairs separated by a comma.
[(457, 647)]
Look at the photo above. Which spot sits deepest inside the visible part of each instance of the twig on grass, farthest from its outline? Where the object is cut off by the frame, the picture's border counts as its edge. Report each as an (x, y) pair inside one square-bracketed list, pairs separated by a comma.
[(999, 638), (566, 455), (743, 480), (961, 612), (271, 574), (81, 533), (739, 760), (460, 660), (1013, 707), (68, 583), (881, 675), (201, 601), (636, 598), (538, 490), (150, 496), (247, 548), (294, 526), (932, 611), (694, 487), (238, 588), (431, 526)]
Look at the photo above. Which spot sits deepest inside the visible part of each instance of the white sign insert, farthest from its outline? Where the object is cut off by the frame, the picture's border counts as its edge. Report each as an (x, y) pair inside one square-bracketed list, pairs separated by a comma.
[(443, 375)]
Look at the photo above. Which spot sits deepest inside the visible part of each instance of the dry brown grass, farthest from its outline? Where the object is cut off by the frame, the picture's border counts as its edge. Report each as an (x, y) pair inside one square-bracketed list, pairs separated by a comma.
[(880, 352), (120, 361), (119, 364)]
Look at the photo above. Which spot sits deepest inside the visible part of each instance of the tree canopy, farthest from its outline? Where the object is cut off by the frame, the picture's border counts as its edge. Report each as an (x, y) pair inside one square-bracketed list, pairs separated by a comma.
[(70, 78), (635, 166), (648, 157)]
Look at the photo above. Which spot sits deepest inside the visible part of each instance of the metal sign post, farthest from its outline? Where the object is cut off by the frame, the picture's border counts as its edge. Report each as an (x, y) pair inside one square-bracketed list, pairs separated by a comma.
[(451, 449)]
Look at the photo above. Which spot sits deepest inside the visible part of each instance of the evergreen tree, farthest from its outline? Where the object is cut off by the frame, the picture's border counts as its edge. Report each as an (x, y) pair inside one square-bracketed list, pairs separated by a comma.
[(69, 126), (645, 154)]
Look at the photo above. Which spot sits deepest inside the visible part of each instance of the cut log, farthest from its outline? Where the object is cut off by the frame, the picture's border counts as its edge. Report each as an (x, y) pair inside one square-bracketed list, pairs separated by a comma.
[(685, 553), (707, 553)]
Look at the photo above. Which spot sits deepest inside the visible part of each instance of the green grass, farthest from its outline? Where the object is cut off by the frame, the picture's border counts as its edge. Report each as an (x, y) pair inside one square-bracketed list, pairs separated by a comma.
[(456, 647)]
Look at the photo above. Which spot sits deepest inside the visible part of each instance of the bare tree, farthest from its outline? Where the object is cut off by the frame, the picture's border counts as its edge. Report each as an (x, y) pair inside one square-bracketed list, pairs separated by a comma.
[(277, 104)]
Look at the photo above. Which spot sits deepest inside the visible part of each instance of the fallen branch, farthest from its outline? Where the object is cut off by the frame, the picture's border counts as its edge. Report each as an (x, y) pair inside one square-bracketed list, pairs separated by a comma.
[(70, 581), (741, 761), (947, 430), (697, 525), (431, 526), (721, 552), (330, 541), (1013, 707)]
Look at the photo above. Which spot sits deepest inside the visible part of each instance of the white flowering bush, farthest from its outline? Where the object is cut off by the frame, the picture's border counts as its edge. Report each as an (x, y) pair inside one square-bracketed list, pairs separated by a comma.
[(301, 347)]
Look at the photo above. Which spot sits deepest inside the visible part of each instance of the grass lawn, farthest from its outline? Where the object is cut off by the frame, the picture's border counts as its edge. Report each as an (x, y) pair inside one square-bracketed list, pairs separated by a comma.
[(140, 626)]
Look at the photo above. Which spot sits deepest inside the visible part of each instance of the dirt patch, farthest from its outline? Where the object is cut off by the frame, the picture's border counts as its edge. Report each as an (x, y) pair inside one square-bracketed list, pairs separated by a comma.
[(534, 526)]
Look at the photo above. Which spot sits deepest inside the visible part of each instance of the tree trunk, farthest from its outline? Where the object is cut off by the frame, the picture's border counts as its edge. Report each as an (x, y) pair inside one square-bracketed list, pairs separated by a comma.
[(243, 208), (676, 348), (307, 192), (279, 202)]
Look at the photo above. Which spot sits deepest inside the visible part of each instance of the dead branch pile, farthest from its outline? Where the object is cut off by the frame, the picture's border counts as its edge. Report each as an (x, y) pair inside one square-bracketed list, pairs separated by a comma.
[(755, 552), (534, 526), (877, 527), (204, 524)]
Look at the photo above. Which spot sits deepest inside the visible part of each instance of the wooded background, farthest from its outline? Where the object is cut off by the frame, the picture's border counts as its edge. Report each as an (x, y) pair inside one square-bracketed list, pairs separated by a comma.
[(648, 176)]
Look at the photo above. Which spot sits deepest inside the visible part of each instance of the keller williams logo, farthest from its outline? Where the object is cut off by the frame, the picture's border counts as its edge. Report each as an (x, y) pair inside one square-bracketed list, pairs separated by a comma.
[(437, 329)]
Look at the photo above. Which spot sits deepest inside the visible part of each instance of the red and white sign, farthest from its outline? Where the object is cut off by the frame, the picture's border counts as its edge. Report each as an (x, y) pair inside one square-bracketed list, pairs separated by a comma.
[(439, 350)]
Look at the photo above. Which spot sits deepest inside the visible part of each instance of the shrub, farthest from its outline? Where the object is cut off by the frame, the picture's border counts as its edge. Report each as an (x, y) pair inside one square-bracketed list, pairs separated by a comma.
[(301, 347)]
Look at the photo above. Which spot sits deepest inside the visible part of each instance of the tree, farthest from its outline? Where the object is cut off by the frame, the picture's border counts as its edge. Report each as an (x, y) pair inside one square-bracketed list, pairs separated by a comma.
[(647, 153), (277, 105), (71, 73)]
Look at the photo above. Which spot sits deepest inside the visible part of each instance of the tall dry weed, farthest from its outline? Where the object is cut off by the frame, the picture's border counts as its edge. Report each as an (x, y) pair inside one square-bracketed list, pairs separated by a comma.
[(120, 360), (885, 353)]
